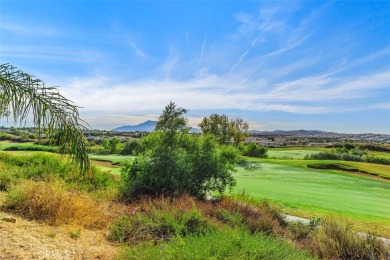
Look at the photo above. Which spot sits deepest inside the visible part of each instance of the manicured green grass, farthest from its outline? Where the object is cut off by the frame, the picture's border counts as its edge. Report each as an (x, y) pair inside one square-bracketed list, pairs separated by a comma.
[(4, 145), (302, 190), (292, 152), (372, 168), (113, 158), (380, 154)]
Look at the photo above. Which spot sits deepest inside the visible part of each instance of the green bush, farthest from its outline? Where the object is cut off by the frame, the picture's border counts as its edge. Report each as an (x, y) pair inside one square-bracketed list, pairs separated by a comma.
[(173, 161), (254, 150), (8, 177), (158, 225), (224, 243), (180, 163), (131, 148), (347, 157), (111, 146)]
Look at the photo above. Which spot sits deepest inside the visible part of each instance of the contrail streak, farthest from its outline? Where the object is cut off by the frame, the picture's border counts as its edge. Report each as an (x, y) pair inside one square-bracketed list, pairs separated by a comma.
[(201, 53)]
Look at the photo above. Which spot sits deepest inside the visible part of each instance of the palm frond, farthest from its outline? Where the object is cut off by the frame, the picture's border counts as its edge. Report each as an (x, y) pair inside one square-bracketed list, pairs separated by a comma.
[(22, 95)]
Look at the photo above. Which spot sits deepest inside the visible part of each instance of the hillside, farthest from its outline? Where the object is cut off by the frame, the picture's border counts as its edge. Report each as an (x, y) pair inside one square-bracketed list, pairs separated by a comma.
[(147, 126)]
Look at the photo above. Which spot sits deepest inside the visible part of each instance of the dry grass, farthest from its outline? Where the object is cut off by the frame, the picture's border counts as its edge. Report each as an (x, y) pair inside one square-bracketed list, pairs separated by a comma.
[(52, 203), (27, 239), (159, 219), (336, 239), (258, 217)]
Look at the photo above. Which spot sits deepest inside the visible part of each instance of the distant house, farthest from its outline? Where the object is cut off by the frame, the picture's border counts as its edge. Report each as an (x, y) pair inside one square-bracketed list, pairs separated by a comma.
[(262, 141), (319, 144)]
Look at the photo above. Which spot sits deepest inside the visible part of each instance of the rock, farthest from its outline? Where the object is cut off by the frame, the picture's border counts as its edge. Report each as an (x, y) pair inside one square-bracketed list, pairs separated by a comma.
[(9, 219)]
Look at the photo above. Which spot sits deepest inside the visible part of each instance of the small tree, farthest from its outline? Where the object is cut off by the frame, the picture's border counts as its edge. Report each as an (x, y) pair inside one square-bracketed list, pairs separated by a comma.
[(172, 120), (173, 161), (111, 146), (217, 125), (239, 130)]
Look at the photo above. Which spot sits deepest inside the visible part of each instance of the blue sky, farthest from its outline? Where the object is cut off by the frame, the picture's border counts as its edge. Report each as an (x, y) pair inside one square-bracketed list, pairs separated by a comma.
[(277, 64)]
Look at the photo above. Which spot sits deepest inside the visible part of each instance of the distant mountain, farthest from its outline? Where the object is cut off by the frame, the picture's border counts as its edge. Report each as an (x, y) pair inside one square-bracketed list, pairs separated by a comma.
[(195, 130), (147, 126)]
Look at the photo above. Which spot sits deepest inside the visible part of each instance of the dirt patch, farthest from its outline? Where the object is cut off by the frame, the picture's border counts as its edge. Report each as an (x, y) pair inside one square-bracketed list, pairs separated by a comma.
[(33, 240)]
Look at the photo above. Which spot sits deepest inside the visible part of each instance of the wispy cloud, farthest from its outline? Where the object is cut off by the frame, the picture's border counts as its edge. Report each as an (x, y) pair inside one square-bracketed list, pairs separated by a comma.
[(134, 47), (39, 52), (171, 61), (201, 53), (21, 28)]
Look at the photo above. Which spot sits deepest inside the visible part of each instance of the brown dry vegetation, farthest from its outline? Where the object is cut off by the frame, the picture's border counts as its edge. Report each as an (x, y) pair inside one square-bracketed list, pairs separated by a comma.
[(72, 225), (36, 240), (52, 203), (54, 223)]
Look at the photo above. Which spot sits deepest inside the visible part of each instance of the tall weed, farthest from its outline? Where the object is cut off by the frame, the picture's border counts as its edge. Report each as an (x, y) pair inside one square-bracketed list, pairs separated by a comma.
[(159, 219), (336, 239), (52, 203)]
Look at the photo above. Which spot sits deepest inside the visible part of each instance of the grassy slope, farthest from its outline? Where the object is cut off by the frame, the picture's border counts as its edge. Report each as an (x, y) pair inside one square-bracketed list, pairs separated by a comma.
[(112, 170), (311, 192), (293, 152), (5, 144), (114, 158), (381, 154)]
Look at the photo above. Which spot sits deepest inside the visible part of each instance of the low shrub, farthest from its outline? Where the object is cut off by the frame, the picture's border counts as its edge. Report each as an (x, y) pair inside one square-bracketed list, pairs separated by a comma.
[(254, 150), (8, 177), (336, 239), (256, 216), (224, 243), (300, 231), (347, 157), (52, 203), (159, 220), (131, 147)]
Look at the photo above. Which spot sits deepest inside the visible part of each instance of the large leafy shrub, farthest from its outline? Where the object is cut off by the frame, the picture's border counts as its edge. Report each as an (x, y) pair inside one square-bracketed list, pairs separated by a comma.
[(173, 161)]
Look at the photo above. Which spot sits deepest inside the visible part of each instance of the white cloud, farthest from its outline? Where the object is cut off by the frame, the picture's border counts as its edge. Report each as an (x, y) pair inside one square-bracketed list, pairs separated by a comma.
[(31, 29), (310, 95)]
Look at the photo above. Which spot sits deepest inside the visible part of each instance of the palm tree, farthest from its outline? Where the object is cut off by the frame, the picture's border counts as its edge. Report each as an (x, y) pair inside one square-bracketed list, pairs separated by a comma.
[(23, 96)]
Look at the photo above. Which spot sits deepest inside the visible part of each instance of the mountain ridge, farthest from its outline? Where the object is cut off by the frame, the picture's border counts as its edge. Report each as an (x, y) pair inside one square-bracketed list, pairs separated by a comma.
[(149, 125)]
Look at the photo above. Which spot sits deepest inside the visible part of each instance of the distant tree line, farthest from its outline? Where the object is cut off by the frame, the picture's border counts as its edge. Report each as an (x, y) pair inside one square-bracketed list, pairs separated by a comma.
[(348, 152)]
